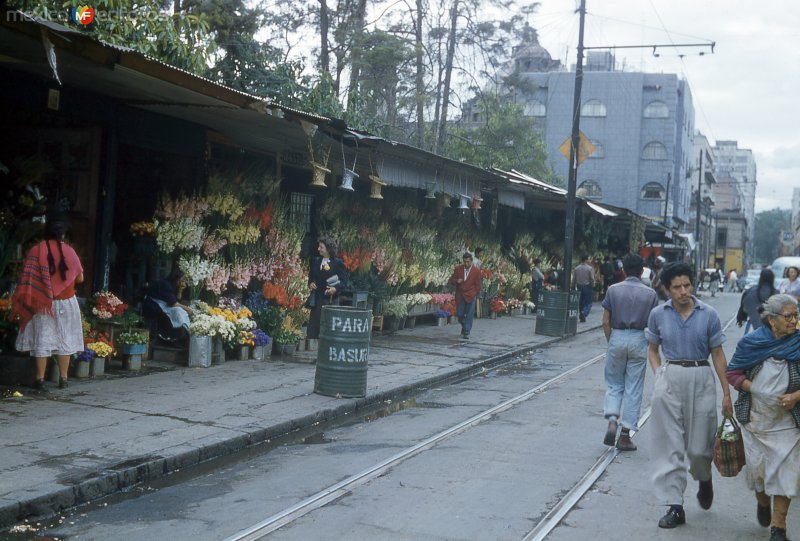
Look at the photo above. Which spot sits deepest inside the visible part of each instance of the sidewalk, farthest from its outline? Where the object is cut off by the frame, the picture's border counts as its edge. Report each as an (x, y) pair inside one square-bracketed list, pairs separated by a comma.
[(68, 447)]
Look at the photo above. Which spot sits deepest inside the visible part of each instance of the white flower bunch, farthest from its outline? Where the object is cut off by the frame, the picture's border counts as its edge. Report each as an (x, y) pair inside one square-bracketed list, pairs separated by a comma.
[(180, 234), (437, 275), (196, 269), (413, 299), (208, 325), (245, 324)]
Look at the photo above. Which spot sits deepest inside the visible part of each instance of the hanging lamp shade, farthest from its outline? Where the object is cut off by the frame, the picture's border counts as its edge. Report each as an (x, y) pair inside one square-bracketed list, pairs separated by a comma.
[(319, 176), (430, 190), (375, 190), (348, 176), (464, 201)]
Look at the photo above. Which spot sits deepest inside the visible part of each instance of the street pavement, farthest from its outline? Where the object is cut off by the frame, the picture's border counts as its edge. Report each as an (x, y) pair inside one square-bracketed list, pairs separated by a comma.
[(100, 436)]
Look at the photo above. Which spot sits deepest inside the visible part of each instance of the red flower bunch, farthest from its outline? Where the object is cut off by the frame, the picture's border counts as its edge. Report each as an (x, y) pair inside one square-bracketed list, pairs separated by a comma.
[(497, 305), (97, 336), (262, 216), (450, 307), (276, 293), (108, 305), (486, 274), (356, 259)]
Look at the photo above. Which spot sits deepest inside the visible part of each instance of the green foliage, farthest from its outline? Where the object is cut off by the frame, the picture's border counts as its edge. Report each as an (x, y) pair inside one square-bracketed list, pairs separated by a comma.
[(769, 225), (179, 39), (505, 138), (396, 307)]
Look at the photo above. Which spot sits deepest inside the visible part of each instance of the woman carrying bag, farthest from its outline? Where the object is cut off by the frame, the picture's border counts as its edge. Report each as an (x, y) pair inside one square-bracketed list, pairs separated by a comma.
[(326, 278), (765, 369)]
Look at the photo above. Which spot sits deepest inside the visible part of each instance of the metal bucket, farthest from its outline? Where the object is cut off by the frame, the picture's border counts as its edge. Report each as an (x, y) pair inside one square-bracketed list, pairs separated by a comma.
[(557, 313), (343, 351)]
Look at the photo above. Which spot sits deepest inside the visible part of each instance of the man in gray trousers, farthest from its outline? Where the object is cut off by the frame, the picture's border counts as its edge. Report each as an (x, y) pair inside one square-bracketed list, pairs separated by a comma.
[(684, 412)]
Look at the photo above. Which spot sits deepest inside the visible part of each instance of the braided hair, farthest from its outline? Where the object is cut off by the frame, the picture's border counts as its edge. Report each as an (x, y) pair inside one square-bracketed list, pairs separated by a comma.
[(57, 227)]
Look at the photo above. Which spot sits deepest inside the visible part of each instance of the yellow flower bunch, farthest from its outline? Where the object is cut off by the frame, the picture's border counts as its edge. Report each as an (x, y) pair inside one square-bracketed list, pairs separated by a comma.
[(227, 205), (244, 312), (241, 234), (101, 349), (246, 338)]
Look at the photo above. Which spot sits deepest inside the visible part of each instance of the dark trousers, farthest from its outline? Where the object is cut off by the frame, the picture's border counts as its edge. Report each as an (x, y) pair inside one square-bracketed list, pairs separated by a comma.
[(316, 315), (465, 312), (585, 299), (536, 287)]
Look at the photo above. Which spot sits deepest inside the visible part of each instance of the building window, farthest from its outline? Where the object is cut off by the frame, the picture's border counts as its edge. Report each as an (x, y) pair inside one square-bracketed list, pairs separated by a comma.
[(590, 189), (300, 209), (656, 109), (535, 108), (654, 151), (599, 150), (653, 190), (593, 108)]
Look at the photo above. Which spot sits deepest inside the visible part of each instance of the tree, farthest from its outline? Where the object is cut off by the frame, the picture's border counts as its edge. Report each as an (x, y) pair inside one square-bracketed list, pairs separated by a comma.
[(768, 227), (504, 138), (179, 39)]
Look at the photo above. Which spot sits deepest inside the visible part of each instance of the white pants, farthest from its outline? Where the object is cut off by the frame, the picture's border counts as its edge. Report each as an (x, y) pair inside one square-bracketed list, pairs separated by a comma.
[(683, 426)]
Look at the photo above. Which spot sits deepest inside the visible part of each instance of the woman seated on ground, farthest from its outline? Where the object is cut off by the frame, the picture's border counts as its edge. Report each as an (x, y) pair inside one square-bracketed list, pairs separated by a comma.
[(765, 369), (161, 302)]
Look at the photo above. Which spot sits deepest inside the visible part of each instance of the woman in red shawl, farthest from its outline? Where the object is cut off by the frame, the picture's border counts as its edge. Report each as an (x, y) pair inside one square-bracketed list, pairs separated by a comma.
[(44, 302)]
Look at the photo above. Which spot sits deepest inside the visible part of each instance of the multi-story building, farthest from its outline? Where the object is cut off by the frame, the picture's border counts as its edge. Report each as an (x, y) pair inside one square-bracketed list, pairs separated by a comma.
[(640, 124), (735, 190), (701, 175)]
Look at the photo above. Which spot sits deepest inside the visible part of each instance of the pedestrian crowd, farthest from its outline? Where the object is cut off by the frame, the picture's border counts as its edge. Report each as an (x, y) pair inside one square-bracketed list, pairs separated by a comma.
[(681, 339)]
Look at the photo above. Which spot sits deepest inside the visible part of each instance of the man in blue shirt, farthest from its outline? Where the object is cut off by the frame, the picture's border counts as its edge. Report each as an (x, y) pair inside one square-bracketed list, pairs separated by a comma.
[(626, 308), (683, 411)]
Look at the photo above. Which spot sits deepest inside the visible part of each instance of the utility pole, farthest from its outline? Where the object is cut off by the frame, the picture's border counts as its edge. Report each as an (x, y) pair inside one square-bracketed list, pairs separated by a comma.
[(569, 226), (697, 226)]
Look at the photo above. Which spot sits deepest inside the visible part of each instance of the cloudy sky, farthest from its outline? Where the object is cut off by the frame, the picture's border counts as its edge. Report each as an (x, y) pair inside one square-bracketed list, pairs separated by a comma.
[(747, 91)]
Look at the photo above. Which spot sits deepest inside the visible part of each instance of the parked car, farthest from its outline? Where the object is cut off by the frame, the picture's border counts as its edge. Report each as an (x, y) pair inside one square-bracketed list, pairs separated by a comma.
[(751, 278), (779, 268)]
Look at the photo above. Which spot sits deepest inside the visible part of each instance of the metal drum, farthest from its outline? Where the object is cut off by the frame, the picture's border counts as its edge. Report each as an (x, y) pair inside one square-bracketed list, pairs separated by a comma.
[(343, 350), (557, 313)]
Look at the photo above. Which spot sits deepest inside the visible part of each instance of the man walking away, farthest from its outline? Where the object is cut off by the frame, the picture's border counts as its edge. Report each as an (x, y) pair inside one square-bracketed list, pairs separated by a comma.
[(627, 306), (537, 282), (467, 279), (584, 279), (607, 272), (683, 411)]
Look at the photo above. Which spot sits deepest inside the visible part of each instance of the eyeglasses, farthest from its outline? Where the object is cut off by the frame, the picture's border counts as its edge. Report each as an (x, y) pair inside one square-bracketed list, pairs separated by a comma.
[(790, 317)]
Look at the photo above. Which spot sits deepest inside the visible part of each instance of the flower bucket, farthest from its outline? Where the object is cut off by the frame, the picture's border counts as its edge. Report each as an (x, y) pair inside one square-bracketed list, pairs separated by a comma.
[(217, 351), (132, 363), (97, 367), (441, 321), (453, 320), (81, 369), (133, 349), (312, 344), (411, 322), (492, 315), (199, 351), (258, 353), (243, 353), (285, 349)]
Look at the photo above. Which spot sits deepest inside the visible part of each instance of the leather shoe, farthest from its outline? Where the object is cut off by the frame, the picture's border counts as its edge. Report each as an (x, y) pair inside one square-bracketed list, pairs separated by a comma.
[(611, 434), (582, 318), (764, 515), (624, 443), (705, 494), (63, 383), (777, 534), (674, 517), (38, 385)]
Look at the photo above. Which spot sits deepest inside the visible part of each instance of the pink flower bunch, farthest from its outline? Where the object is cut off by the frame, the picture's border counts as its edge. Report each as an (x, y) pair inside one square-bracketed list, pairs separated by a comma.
[(240, 274), (218, 279), (108, 305), (442, 298), (192, 208), (213, 244), (263, 269), (380, 260)]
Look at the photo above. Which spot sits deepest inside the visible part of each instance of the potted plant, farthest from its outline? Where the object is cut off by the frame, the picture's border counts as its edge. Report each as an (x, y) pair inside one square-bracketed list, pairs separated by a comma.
[(102, 351), (286, 341), (441, 317), (394, 310), (132, 343), (83, 361), (260, 341)]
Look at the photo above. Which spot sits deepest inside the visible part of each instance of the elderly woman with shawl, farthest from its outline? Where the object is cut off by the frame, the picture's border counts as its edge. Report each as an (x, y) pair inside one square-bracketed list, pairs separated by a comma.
[(44, 302), (765, 369)]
